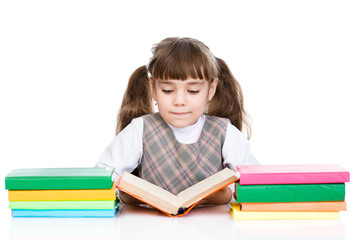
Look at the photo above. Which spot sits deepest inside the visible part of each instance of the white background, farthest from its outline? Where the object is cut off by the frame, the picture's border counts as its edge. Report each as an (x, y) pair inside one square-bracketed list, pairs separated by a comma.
[(64, 66)]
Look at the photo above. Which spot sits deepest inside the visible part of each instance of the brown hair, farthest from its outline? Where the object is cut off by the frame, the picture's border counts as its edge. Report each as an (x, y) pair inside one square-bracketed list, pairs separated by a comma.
[(228, 100), (137, 99), (180, 59)]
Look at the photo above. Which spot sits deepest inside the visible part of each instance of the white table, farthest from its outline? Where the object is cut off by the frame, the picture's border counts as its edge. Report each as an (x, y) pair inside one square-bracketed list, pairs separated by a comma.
[(135, 222)]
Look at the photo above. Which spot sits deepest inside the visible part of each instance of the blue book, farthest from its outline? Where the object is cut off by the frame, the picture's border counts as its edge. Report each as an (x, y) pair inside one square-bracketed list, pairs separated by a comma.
[(64, 213)]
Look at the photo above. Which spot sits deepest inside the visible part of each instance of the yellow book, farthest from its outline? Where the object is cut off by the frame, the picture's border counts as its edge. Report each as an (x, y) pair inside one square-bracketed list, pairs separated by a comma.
[(241, 215), (62, 195)]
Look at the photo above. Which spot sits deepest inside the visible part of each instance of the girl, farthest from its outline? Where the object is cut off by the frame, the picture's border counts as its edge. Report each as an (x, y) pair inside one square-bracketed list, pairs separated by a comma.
[(197, 131)]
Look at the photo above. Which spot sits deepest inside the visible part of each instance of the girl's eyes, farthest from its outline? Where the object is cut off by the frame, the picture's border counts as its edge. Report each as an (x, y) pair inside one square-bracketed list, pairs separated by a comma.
[(193, 91), (167, 91), (171, 91)]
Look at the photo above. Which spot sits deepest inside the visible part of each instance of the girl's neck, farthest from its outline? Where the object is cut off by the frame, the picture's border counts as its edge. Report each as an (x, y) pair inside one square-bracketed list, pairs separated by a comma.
[(189, 134)]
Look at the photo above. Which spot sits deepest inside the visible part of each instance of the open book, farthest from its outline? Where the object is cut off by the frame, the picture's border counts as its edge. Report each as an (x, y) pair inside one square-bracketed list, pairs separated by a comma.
[(169, 203)]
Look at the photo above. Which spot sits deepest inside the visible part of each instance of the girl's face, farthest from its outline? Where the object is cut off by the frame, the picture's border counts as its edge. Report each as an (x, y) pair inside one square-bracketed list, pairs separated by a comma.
[(182, 102)]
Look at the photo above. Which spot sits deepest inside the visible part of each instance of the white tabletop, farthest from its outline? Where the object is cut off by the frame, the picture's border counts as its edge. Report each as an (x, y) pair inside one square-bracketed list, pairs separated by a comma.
[(134, 222)]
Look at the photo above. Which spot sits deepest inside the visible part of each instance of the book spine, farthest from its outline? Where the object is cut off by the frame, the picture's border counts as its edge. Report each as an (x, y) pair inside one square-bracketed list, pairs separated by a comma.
[(295, 207), (64, 213), (290, 192), (61, 195), (284, 215), (32, 205), (293, 178), (54, 183)]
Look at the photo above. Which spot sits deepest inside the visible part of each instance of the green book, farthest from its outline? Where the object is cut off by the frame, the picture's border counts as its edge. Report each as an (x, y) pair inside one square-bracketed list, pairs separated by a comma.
[(59, 178), (106, 204), (290, 193)]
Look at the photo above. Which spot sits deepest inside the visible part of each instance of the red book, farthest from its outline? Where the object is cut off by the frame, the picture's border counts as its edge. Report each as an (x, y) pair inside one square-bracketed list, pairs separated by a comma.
[(292, 174)]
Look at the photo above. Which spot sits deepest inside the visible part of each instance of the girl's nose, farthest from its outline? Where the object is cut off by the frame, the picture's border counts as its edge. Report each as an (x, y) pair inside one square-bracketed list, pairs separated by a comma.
[(179, 99)]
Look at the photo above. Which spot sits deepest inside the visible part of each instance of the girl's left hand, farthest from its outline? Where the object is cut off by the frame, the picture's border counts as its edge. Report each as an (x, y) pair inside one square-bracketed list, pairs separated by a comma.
[(220, 197)]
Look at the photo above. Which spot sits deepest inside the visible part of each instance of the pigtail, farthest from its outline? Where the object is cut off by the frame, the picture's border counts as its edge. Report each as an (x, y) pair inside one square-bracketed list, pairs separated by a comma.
[(137, 99), (228, 100)]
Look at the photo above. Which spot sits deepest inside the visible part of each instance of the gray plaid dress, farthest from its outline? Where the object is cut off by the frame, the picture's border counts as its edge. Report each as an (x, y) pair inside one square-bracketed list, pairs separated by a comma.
[(175, 166)]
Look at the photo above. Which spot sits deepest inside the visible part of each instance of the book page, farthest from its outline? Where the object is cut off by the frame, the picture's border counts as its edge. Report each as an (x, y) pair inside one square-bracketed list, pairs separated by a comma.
[(149, 193), (209, 185)]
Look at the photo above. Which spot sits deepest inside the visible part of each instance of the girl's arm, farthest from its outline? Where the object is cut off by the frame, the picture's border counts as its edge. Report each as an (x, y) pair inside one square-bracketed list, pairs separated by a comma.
[(126, 198), (221, 197), (125, 151), (236, 149)]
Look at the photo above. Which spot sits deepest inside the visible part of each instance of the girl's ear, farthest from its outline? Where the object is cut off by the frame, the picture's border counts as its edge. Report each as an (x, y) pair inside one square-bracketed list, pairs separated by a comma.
[(212, 89), (152, 89)]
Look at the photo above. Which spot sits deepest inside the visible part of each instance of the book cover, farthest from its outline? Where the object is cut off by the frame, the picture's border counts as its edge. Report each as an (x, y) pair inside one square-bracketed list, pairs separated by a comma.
[(107, 204), (290, 192), (62, 195), (237, 214), (65, 213), (59, 178), (292, 174), (295, 207)]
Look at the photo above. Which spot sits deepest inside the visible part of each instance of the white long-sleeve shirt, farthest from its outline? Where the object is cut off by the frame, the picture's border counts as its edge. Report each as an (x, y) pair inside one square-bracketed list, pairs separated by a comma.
[(125, 151)]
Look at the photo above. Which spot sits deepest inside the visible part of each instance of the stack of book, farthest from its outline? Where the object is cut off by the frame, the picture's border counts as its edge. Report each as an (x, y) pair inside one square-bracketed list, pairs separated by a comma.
[(61, 192), (290, 192)]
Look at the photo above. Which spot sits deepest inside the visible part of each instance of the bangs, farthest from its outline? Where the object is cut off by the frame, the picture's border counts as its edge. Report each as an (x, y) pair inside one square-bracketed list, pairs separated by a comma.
[(182, 59)]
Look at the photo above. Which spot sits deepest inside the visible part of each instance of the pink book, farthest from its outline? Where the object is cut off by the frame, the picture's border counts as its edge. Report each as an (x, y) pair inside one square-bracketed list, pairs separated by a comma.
[(292, 174)]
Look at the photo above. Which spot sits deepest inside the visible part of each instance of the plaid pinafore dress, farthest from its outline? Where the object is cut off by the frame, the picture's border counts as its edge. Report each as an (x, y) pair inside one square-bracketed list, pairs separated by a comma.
[(175, 166)]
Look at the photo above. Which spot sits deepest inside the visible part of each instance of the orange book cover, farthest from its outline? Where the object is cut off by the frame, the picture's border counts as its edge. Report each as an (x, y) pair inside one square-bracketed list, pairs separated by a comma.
[(237, 214)]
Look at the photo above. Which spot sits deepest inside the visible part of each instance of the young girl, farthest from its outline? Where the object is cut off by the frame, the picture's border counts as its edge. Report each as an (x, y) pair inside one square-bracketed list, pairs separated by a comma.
[(197, 131)]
